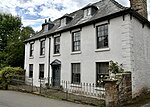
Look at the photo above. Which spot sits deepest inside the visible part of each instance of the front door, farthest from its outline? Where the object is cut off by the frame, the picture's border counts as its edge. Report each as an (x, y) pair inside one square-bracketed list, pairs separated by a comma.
[(56, 76)]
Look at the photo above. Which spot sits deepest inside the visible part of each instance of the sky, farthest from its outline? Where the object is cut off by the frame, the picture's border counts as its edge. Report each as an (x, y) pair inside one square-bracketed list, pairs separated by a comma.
[(34, 12)]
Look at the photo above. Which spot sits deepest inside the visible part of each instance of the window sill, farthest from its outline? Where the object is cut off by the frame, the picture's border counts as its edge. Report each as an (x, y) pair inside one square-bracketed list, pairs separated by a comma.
[(42, 56), (102, 49), (56, 54), (76, 52), (76, 85), (31, 57)]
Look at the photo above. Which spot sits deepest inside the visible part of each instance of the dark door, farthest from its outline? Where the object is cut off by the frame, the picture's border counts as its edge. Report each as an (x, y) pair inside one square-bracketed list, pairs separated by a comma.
[(56, 76)]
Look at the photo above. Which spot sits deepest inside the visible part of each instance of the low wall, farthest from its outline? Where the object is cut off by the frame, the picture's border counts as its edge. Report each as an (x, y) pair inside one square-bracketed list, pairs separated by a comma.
[(119, 90)]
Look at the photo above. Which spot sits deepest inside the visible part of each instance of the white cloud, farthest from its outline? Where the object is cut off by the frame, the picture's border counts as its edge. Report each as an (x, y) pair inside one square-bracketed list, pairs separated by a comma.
[(41, 9)]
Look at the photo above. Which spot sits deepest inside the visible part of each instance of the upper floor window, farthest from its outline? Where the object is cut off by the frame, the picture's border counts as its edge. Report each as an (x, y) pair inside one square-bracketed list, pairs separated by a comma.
[(57, 45), (101, 71), (76, 41), (42, 47), (75, 73), (30, 70), (31, 49), (102, 36), (41, 71)]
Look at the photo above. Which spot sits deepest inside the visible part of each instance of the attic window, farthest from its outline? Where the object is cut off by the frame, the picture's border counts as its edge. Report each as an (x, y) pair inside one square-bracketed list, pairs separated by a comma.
[(46, 28), (47, 25), (63, 22), (87, 12)]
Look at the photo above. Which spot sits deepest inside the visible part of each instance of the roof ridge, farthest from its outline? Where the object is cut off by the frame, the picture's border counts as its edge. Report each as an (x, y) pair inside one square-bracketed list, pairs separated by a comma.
[(118, 4), (102, 5)]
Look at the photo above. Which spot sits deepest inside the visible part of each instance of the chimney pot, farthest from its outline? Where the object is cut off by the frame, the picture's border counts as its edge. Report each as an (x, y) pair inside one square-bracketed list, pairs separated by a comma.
[(49, 20), (45, 20)]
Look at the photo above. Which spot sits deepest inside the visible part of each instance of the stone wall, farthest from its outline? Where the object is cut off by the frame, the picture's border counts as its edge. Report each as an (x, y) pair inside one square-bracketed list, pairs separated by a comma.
[(140, 6), (125, 88), (119, 90)]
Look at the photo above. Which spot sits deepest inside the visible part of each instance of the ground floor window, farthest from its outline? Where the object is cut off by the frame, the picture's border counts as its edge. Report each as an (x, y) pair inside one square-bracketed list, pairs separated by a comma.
[(101, 71), (41, 71), (75, 68), (30, 70)]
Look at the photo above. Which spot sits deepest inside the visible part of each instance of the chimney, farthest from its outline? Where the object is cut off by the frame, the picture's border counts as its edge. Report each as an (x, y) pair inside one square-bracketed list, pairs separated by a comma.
[(45, 20), (140, 6)]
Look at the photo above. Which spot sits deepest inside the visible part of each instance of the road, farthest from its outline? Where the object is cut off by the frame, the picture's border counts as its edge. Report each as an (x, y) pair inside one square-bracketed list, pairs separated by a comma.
[(18, 99)]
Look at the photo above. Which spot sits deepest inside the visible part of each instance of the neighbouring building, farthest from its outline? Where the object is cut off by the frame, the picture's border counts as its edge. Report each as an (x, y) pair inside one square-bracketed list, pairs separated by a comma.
[(77, 47)]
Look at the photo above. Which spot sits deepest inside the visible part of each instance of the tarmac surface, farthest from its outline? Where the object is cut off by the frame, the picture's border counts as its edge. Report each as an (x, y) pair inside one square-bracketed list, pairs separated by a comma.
[(18, 99)]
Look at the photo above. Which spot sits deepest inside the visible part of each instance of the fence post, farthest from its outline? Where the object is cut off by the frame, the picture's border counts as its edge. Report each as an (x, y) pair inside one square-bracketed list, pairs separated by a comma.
[(32, 84), (18, 82), (66, 91), (40, 85)]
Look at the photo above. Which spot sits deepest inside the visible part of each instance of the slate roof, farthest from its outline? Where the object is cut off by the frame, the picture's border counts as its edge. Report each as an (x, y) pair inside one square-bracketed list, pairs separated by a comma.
[(106, 8)]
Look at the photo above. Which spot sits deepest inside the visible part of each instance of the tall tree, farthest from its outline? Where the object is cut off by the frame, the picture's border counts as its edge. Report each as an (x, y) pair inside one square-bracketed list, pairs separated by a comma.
[(15, 49), (8, 24), (12, 36)]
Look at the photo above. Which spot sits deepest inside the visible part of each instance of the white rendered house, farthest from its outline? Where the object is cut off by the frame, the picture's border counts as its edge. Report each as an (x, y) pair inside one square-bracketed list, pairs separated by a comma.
[(78, 46)]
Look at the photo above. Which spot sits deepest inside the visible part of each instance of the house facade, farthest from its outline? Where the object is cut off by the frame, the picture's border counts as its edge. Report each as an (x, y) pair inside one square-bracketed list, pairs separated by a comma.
[(79, 46)]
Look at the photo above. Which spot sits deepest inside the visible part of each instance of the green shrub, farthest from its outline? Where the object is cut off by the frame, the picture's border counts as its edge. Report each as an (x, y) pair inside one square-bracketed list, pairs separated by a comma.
[(7, 74), (115, 68)]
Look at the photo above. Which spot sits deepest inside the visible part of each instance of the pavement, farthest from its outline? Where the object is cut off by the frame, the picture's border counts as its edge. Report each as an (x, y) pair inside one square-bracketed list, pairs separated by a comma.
[(18, 99)]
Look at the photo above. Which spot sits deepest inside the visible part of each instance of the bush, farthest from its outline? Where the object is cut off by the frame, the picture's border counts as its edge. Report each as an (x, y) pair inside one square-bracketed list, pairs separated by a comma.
[(115, 68), (7, 74)]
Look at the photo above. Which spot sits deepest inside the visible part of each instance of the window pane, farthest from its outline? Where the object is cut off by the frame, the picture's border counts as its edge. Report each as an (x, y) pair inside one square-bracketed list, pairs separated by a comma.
[(76, 41), (30, 70), (101, 71), (45, 28), (89, 11), (41, 71), (76, 73), (42, 48), (102, 36), (85, 12), (31, 49), (56, 45), (43, 44)]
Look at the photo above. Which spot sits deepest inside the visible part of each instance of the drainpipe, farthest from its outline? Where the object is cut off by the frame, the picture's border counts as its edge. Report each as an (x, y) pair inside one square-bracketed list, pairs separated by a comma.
[(49, 62)]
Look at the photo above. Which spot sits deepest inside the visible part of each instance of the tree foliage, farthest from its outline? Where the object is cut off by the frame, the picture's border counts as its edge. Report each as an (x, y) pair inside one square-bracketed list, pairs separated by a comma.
[(15, 48), (8, 24), (12, 36)]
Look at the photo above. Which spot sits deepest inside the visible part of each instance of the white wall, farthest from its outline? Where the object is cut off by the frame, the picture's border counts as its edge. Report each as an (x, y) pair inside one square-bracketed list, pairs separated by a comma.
[(88, 56), (128, 45), (36, 60), (141, 56)]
